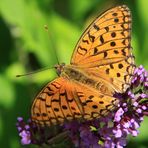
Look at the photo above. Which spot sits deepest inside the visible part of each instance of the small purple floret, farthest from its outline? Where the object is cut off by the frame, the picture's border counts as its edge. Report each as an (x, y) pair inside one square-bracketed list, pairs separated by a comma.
[(25, 137), (24, 131), (118, 114), (19, 119)]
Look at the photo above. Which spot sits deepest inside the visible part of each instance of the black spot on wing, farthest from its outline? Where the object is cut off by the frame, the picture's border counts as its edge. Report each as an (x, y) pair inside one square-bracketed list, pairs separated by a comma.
[(101, 39), (96, 27), (91, 37)]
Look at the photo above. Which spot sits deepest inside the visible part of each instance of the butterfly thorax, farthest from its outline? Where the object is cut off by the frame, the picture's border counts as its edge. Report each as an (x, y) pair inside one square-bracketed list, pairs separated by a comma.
[(82, 77)]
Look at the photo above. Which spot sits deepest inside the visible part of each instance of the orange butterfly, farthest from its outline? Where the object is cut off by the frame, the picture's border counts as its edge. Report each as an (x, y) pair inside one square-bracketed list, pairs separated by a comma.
[(102, 64)]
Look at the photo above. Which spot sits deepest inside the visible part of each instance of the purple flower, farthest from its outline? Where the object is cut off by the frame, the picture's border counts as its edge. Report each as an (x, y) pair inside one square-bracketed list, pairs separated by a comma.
[(118, 114), (25, 137), (110, 131), (117, 133), (24, 131)]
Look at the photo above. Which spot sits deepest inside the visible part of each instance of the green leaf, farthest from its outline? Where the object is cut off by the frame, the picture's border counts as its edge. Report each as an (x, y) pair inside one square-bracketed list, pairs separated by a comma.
[(92, 128), (7, 92)]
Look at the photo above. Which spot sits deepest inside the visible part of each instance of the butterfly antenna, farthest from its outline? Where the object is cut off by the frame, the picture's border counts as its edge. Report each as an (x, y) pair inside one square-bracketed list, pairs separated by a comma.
[(52, 42), (34, 72)]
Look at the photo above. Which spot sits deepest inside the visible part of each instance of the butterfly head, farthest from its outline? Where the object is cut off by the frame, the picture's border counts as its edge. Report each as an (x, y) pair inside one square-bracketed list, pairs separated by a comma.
[(59, 68)]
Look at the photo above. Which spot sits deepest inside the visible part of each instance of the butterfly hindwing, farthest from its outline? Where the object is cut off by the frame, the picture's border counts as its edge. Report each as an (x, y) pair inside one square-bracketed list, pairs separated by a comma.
[(94, 103)]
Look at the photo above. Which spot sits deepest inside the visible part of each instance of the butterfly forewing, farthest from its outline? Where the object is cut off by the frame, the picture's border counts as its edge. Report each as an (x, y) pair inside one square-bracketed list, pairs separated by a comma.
[(106, 33), (104, 49)]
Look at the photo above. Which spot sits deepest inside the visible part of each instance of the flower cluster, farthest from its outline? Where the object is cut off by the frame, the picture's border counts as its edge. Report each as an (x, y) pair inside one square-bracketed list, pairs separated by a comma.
[(24, 131), (112, 130), (31, 133)]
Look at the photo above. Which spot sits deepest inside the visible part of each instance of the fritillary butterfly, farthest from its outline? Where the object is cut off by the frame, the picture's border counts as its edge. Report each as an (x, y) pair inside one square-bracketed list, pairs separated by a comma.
[(102, 64)]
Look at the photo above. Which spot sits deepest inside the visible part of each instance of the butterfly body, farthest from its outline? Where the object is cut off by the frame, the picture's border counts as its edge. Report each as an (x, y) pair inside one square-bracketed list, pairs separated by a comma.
[(80, 76), (102, 64)]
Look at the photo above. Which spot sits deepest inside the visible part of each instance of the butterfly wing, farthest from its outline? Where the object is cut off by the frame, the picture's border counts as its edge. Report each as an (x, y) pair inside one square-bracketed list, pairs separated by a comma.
[(62, 100), (54, 103), (104, 49)]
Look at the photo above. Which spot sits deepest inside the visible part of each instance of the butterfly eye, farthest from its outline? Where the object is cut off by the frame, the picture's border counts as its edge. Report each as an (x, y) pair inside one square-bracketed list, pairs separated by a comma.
[(59, 68), (62, 64)]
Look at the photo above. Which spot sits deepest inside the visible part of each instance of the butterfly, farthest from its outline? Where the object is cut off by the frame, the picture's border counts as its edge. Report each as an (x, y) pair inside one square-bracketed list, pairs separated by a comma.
[(101, 64)]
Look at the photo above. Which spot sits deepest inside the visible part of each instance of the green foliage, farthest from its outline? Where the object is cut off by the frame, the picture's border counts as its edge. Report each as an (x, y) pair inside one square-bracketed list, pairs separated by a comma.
[(25, 46)]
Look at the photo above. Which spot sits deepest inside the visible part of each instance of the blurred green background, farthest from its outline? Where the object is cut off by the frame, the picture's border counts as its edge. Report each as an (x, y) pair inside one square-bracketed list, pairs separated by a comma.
[(25, 46)]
